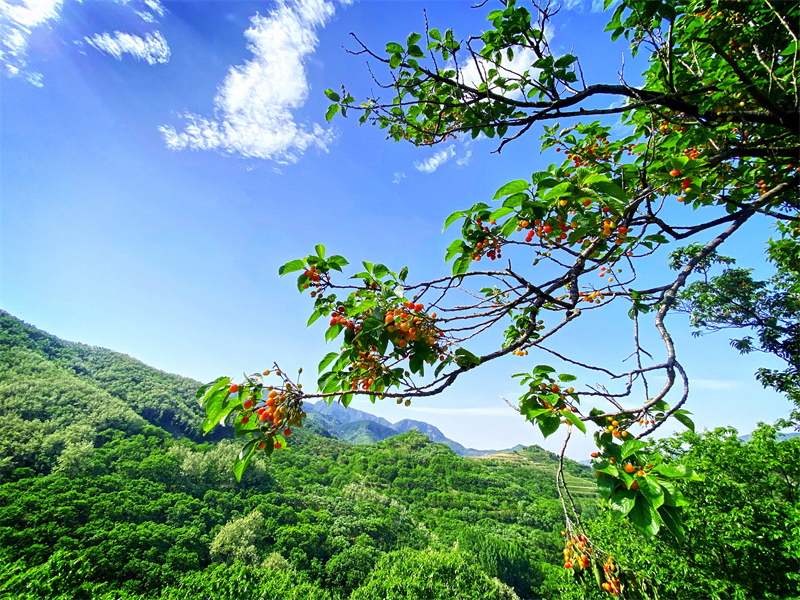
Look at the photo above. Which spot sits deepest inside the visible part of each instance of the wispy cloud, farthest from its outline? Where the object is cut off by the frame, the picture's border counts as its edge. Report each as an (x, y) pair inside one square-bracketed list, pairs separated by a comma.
[(464, 160), (20, 18), (17, 21), (398, 177), (152, 47), (432, 163), (595, 6), (254, 106)]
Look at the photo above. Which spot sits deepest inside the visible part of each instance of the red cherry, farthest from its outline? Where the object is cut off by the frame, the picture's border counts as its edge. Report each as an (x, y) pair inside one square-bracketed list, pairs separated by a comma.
[(234, 388), (674, 172)]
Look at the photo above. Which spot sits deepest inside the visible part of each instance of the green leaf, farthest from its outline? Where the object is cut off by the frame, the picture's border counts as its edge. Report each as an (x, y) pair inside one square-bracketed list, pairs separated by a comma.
[(651, 490), (329, 358), (453, 218), (331, 112), (320, 250), (314, 316), (565, 61), (542, 369), (531, 415), (606, 484), (672, 496), (337, 261), (515, 200), (501, 212), (671, 517), (574, 419), (291, 266), (644, 517), (395, 61), (622, 502), (461, 264), (669, 471), (466, 358), (548, 425), (608, 468), (609, 188), (394, 48), (790, 49), (243, 458), (456, 247), (332, 96), (631, 446), (412, 39), (415, 51), (512, 187), (333, 332), (566, 377), (209, 388), (682, 418)]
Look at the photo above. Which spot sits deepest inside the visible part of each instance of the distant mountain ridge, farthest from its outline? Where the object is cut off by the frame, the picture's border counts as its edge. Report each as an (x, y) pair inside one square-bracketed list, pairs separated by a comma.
[(359, 427)]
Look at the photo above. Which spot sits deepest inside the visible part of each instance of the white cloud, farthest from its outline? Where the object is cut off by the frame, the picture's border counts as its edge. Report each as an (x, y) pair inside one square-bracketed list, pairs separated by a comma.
[(432, 163), (151, 48), (595, 6), (398, 177), (17, 21), (253, 109), (464, 160), (19, 18)]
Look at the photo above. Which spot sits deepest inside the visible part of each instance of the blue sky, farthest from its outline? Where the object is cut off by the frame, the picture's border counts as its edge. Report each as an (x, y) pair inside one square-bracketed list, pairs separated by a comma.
[(160, 160)]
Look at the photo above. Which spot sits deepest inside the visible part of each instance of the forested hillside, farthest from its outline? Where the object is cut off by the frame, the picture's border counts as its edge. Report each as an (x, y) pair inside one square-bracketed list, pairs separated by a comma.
[(106, 489), (99, 501)]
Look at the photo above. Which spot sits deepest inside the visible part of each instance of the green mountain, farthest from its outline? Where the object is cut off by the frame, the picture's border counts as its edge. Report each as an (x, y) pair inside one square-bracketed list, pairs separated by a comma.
[(364, 432), (359, 427), (107, 494), (107, 490)]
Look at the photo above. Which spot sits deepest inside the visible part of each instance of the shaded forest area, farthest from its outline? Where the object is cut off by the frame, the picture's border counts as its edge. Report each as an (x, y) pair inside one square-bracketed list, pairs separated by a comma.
[(108, 491)]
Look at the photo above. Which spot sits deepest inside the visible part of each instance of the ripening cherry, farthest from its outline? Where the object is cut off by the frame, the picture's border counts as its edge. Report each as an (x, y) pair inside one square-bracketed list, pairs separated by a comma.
[(262, 444), (278, 445), (675, 172), (287, 432), (234, 388)]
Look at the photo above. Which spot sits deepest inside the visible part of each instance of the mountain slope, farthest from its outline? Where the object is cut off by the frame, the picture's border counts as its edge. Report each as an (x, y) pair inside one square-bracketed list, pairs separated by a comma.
[(364, 432), (161, 399)]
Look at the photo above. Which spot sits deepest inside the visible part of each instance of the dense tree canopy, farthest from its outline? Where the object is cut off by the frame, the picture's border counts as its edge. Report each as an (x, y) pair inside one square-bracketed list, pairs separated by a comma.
[(131, 512), (712, 130)]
